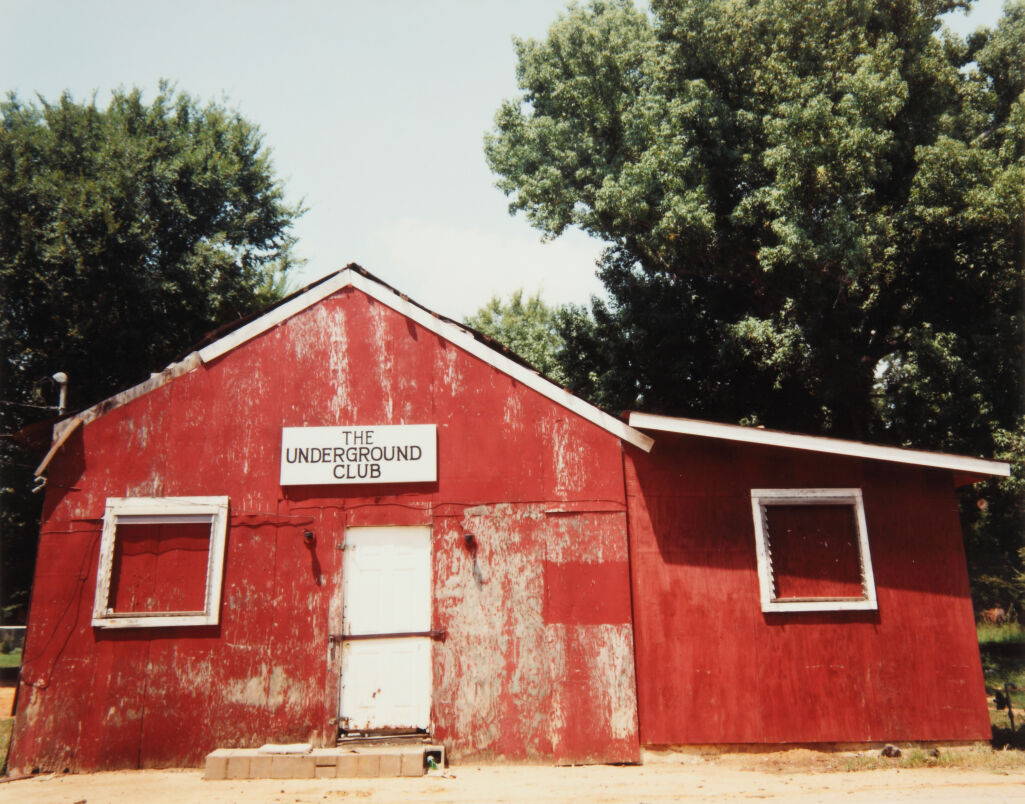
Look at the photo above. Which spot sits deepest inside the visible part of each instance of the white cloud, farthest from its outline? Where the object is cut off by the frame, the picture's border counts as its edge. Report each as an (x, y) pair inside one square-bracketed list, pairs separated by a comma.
[(455, 270)]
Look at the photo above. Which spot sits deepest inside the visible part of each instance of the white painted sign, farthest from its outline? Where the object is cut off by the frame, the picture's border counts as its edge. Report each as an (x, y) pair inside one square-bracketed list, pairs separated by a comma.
[(385, 453)]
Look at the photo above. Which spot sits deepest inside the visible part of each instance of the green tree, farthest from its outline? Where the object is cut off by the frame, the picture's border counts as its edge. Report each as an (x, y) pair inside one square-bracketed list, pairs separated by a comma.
[(528, 327), (814, 211), (126, 233)]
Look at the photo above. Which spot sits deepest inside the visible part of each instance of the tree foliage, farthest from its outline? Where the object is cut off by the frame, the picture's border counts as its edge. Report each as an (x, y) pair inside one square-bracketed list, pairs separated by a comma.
[(814, 211), (528, 327), (126, 233)]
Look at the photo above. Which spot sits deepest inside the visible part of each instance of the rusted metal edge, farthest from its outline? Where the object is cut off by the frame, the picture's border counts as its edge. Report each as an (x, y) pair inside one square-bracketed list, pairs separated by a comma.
[(24, 776), (116, 614), (435, 634), (57, 444)]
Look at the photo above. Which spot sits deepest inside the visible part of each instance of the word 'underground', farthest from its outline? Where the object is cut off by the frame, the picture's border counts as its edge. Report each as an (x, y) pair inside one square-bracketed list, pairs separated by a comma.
[(360, 459)]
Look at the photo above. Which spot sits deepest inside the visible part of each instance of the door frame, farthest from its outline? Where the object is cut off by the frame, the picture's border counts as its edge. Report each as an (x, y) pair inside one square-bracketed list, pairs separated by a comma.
[(338, 639)]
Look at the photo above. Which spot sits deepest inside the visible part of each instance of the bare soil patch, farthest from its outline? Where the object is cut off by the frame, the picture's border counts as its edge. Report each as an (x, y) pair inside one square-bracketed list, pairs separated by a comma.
[(789, 777)]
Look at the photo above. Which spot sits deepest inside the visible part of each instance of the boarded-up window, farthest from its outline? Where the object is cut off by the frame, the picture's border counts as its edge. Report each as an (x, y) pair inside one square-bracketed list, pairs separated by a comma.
[(812, 550), (161, 561), (160, 568)]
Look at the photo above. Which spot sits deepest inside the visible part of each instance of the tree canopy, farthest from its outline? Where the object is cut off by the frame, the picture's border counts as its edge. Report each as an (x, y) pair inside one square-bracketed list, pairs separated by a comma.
[(126, 233), (529, 327), (813, 210)]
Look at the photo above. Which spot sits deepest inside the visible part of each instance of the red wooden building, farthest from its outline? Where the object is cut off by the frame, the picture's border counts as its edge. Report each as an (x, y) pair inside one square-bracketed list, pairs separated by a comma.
[(350, 513), (793, 589)]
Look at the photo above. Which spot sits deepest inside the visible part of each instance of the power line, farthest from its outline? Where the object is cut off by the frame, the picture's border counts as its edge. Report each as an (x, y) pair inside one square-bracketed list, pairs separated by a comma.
[(28, 405)]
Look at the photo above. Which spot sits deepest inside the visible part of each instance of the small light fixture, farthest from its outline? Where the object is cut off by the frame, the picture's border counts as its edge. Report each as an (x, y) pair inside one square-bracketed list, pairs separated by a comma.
[(309, 538), (471, 541)]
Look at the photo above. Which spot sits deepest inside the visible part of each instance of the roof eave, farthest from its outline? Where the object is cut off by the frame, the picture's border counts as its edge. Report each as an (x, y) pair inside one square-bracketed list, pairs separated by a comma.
[(966, 469), (359, 278)]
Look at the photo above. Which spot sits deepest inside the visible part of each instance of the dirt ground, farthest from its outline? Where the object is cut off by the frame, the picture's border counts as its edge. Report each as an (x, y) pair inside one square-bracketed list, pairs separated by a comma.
[(691, 779)]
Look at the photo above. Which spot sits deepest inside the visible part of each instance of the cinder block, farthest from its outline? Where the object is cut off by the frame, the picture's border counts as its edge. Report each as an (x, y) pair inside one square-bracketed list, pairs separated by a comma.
[(391, 765), (260, 767), (412, 763), (217, 764), (325, 756), (346, 765), (325, 771), (238, 767), (368, 764), (292, 767)]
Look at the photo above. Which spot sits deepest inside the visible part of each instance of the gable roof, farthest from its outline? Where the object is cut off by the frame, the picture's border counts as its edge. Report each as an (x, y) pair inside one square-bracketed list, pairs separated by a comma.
[(477, 344), (966, 469)]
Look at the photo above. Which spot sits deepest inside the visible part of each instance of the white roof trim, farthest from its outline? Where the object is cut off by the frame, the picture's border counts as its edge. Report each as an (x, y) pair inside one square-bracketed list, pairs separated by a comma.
[(834, 446), (278, 315), (350, 278), (155, 381), (465, 340)]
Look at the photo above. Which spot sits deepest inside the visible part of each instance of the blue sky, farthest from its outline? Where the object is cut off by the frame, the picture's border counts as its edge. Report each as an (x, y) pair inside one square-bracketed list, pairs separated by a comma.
[(374, 113)]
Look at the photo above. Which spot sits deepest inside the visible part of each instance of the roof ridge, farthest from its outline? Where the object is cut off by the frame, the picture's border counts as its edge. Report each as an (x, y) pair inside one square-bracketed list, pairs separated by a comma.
[(354, 275)]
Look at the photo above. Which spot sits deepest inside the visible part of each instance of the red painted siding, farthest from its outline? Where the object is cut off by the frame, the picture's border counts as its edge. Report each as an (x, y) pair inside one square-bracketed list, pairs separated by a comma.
[(713, 668), (541, 608), (584, 593), (513, 680)]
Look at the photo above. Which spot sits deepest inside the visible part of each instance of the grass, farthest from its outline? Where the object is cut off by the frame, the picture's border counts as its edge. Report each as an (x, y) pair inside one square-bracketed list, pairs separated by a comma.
[(6, 726), (12, 659), (977, 757), (1002, 648), (1004, 634)]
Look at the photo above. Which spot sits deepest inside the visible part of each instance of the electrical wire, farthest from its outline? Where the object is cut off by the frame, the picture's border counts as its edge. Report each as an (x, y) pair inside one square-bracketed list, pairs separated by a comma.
[(73, 600), (28, 405), (429, 506)]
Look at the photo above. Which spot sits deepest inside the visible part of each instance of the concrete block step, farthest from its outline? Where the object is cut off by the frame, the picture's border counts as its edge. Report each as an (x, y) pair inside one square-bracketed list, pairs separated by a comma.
[(322, 763)]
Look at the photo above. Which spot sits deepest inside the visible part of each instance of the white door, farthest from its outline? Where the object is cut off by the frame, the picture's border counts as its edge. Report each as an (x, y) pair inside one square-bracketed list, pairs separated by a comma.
[(386, 584)]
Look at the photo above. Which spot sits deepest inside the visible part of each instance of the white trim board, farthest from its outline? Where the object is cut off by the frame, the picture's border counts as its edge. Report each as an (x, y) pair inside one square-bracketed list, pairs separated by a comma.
[(761, 499), (348, 277), (833, 446), (465, 340), (162, 510)]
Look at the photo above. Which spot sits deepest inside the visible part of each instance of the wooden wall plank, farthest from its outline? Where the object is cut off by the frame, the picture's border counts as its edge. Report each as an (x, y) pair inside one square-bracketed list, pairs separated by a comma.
[(713, 668), (266, 672)]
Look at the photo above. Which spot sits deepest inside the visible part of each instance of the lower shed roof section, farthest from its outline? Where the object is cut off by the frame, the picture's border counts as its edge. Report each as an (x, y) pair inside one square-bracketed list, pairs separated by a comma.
[(965, 469), (716, 666)]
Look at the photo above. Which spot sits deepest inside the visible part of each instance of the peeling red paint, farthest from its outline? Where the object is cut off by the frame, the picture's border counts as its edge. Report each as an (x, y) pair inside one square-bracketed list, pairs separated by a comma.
[(589, 602), (267, 673)]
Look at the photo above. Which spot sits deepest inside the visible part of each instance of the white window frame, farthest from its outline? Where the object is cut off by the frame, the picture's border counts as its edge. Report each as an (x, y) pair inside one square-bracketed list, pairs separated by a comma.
[(162, 511), (761, 499)]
